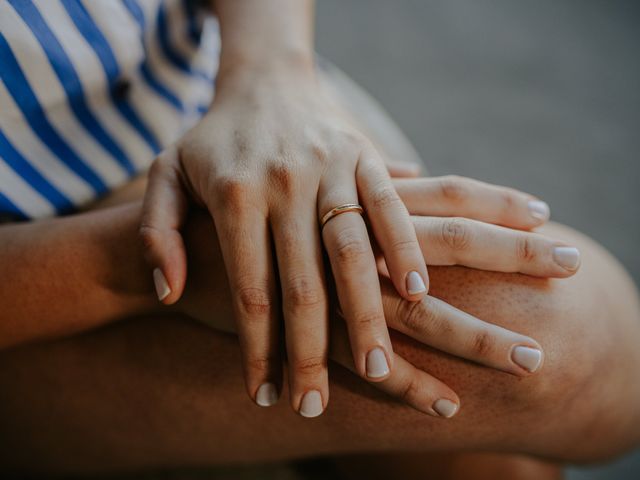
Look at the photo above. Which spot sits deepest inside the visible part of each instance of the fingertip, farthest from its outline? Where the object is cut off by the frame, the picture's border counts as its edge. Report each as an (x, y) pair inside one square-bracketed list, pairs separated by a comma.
[(163, 290), (539, 211), (311, 404), (267, 395), (168, 288), (416, 285), (446, 407), (378, 366), (528, 358), (568, 258)]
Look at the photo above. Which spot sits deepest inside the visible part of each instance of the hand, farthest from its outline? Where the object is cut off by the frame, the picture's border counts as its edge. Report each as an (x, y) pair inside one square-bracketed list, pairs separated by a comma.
[(460, 221), (429, 321), (270, 158)]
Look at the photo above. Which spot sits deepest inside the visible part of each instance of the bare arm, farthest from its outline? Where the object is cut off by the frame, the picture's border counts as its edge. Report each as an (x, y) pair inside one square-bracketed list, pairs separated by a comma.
[(67, 275)]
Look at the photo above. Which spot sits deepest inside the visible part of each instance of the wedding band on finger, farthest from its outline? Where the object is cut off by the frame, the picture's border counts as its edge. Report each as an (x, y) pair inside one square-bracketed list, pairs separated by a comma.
[(345, 208)]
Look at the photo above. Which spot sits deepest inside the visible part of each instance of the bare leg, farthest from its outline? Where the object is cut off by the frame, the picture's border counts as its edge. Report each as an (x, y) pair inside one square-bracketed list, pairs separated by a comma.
[(167, 392)]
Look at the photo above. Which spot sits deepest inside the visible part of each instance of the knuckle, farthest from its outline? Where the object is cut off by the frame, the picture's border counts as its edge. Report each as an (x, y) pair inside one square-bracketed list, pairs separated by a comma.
[(454, 189), (254, 300), (508, 200), (149, 236), (414, 315), (404, 245), (350, 247), (368, 319), (232, 192), (409, 390), (302, 291), (256, 363), (384, 197), (525, 249), (482, 343), (310, 366), (423, 318), (456, 233), (436, 323), (282, 177)]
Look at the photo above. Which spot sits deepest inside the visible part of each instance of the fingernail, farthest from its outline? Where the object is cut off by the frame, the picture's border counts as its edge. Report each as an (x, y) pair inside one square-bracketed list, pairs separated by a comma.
[(445, 408), (567, 257), (267, 395), (527, 357), (377, 365), (311, 405), (162, 287), (415, 284), (539, 210)]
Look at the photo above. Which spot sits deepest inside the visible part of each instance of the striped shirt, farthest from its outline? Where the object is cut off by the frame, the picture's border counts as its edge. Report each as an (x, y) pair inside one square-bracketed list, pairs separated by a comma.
[(91, 91)]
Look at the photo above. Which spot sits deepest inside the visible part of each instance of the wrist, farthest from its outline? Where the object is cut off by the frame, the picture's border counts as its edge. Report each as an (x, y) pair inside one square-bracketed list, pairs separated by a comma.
[(259, 36), (291, 63)]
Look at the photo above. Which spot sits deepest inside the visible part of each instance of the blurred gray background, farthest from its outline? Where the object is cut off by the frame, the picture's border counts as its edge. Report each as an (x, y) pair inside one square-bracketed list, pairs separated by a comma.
[(540, 95)]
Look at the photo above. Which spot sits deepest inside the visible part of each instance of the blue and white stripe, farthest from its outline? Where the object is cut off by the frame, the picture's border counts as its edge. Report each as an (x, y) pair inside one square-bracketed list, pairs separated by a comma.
[(91, 90)]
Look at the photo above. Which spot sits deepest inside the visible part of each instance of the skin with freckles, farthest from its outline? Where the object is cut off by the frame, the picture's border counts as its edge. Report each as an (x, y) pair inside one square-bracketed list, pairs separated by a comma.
[(163, 391)]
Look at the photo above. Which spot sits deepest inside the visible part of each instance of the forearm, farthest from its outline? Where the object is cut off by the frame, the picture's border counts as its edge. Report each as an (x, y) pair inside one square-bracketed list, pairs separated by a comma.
[(259, 34), (67, 275)]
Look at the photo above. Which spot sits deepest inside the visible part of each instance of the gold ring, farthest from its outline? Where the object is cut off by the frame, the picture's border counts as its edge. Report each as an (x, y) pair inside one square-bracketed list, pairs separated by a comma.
[(334, 212)]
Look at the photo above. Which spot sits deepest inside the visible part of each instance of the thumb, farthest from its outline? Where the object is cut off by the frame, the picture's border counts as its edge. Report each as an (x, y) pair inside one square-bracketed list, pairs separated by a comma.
[(164, 211)]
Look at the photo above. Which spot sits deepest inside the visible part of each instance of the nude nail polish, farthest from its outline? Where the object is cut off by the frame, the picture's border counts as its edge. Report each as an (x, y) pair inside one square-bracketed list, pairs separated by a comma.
[(267, 395), (377, 365), (415, 284), (539, 210), (567, 257), (445, 408), (311, 405), (527, 357), (162, 286)]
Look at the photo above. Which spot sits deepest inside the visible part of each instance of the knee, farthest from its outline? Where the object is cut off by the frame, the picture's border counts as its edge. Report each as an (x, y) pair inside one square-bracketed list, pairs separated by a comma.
[(583, 403), (589, 325)]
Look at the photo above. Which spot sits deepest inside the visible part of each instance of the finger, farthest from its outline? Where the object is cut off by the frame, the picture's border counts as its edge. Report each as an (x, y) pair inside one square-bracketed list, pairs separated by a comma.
[(246, 248), (403, 169), (354, 269), (392, 227), (164, 211), (407, 383), (440, 325), (299, 253), (460, 241), (453, 196)]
